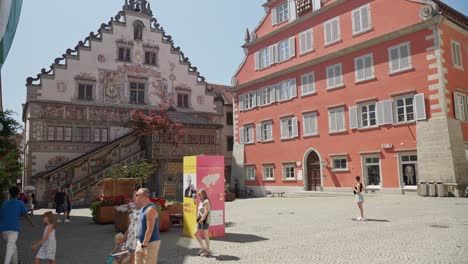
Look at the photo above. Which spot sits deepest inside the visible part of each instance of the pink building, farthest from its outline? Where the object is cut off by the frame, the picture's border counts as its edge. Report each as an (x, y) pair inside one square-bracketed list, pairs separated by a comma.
[(333, 89)]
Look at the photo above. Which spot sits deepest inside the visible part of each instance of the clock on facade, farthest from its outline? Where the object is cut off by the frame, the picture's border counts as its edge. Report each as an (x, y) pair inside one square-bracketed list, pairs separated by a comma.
[(111, 89)]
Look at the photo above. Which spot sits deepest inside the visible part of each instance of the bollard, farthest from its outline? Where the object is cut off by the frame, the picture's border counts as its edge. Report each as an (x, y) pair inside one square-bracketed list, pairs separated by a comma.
[(432, 189), (441, 189), (422, 189)]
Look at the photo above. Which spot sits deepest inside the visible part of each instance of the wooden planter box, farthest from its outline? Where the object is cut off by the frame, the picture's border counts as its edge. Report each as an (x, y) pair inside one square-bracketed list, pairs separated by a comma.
[(105, 215), (122, 221)]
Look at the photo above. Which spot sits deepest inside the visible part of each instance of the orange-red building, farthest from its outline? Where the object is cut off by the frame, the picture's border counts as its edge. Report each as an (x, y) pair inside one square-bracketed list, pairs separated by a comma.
[(333, 89)]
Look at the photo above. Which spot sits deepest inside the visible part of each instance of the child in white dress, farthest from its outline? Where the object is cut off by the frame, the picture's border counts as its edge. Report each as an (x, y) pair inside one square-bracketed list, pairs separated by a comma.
[(48, 243)]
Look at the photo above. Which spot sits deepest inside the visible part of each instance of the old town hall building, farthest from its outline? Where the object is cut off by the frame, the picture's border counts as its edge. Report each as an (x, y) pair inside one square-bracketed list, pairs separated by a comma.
[(331, 89), (76, 112)]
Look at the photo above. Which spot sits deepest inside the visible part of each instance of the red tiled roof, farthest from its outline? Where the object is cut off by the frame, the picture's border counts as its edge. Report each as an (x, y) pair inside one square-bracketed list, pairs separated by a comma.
[(222, 91)]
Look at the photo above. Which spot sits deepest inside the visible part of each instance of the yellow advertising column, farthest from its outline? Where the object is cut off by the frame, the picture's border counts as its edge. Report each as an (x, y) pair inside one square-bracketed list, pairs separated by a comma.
[(190, 206)]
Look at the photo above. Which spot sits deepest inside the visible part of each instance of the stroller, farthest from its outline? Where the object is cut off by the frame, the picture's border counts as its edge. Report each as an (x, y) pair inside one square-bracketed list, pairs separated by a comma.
[(112, 258)]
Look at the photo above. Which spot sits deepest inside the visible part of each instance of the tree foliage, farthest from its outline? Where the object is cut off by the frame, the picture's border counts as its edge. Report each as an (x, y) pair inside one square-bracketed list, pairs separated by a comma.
[(10, 167)]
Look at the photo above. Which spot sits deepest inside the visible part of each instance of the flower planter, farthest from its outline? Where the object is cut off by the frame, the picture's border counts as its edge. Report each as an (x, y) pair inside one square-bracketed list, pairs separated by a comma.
[(105, 215), (164, 220), (122, 221)]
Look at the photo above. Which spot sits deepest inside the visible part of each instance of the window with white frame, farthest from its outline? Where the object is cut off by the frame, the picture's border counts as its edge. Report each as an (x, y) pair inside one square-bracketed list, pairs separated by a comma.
[(267, 95), (456, 55), (364, 67), (250, 172), (248, 101), (368, 116), (289, 172), (246, 134), (334, 76), (287, 89), (339, 163), (461, 106), (404, 108), (265, 131), (408, 169), (264, 58), (289, 128), (308, 83), (268, 173), (309, 122), (399, 57), (282, 12), (283, 50), (336, 120), (332, 31), (372, 170), (306, 43), (361, 19)]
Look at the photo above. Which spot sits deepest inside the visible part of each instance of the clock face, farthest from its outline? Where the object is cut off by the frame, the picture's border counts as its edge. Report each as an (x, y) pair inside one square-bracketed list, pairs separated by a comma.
[(111, 90)]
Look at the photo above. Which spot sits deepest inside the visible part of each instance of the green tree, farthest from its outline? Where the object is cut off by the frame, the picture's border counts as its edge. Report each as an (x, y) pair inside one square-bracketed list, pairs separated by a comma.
[(139, 170), (10, 167)]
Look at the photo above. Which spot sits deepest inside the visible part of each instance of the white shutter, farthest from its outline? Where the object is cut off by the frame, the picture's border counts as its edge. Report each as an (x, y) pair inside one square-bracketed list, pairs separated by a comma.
[(274, 17), (305, 125), (313, 123), (277, 92), (292, 10), (242, 135), (271, 50), (357, 20), (328, 32), (330, 77), (405, 56), (284, 128), (257, 60), (359, 64), (259, 96), (272, 94), (368, 61), (365, 16), (270, 130), (253, 95), (466, 107), (303, 84), (336, 34), (317, 4), (340, 121), (353, 117), (293, 87), (295, 127), (241, 103), (292, 47), (420, 107), (331, 121), (276, 53), (384, 112), (302, 42), (457, 102), (338, 74), (259, 132)]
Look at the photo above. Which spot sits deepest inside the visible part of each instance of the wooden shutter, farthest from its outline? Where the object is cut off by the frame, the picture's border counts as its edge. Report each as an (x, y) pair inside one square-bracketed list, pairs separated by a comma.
[(357, 27), (295, 127), (353, 117), (292, 10), (292, 47), (457, 103), (274, 17), (420, 107), (259, 132), (242, 135), (317, 4), (293, 87), (257, 60)]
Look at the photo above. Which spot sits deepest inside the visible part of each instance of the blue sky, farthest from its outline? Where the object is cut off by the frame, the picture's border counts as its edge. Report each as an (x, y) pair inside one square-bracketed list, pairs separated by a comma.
[(210, 33)]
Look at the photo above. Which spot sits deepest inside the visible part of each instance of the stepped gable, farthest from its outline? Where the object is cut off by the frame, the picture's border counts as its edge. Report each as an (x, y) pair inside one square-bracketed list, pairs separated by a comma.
[(139, 6)]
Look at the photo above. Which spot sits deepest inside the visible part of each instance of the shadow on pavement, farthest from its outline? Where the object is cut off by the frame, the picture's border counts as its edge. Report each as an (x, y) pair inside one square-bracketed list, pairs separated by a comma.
[(229, 224), (378, 220), (226, 258), (240, 238)]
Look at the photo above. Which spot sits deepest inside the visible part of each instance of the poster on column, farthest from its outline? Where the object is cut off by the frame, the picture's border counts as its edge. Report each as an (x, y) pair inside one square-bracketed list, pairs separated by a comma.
[(207, 173)]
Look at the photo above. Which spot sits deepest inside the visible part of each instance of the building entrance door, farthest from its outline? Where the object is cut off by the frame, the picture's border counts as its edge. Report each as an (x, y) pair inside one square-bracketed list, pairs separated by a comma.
[(313, 172)]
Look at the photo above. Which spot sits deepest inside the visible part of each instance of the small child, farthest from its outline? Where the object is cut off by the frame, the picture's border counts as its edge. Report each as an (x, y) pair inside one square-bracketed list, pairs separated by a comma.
[(118, 258), (48, 242)]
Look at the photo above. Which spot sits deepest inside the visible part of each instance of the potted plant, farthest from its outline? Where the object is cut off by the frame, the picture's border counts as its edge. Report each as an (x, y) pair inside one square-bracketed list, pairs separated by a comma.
[(228, 195), (103, 211), (164, 215)]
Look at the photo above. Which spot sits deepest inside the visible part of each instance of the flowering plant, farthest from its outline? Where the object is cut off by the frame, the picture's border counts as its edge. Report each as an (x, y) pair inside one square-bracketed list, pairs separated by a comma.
[(108, 201), (161, 204)]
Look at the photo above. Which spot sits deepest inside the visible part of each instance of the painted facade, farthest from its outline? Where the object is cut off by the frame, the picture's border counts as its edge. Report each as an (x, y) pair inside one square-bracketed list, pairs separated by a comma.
[(330, 89), (76, 112)]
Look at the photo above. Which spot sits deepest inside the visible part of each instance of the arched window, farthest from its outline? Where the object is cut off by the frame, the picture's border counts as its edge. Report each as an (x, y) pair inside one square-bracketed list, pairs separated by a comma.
[(138, 30)]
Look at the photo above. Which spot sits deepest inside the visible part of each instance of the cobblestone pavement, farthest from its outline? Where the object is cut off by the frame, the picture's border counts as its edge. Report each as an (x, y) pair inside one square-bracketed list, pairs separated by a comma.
[(401, 229)]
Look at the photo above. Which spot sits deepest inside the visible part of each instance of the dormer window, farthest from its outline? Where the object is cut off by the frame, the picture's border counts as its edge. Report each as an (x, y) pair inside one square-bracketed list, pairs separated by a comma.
[(138, 30)]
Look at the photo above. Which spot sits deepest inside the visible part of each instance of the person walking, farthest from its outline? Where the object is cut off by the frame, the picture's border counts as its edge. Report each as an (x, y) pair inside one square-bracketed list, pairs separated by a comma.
[(48, 243), (10, 214), (69, 200), (148, 243), (59, 199), (357, 189), (131, 234), (203, 223)]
